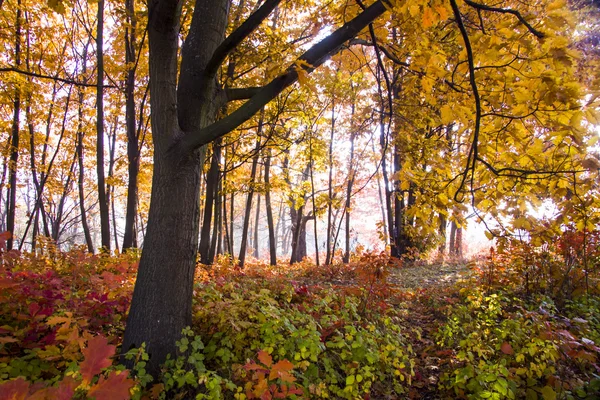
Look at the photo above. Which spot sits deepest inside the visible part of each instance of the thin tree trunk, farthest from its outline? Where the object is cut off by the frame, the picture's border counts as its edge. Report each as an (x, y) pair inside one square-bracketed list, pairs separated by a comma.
[(256, 220), (216, 224), (212, 182), (80, 160), (453, 227), (314, 207), (269, 210), (110, 189), (248, 210), (442, 232), (14, 142), (351, 172), (102, 198), (328, 244), (133, 150)]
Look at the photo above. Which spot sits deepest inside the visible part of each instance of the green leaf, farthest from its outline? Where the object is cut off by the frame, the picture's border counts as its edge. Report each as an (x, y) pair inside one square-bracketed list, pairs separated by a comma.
[(548, 393)]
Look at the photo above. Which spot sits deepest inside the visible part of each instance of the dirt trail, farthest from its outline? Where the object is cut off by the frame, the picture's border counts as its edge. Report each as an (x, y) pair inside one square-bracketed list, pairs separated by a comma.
[(419, 276)]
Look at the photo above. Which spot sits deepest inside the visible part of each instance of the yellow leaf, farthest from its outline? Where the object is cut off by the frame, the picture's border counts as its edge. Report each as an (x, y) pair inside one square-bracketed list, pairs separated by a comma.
[(413, 10), (442, 10), (447, 114), (429, 18)]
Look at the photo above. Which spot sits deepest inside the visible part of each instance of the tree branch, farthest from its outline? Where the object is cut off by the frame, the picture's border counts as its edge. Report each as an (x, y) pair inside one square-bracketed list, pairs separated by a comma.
[(232, 94), (517, 14), (54, 78), (473, 152), (307, 62), (237, 36)]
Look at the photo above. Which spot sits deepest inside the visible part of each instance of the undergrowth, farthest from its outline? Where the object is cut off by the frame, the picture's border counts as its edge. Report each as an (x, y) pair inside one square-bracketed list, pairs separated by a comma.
[(524, 324)]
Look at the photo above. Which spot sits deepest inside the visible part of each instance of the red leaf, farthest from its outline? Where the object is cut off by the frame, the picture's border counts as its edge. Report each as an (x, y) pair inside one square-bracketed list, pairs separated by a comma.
[(4, 236), (7, 283), (65, 389), (116, 387), (282, 370), (506, 348), (14, 390), (97, 356), (265, 358)]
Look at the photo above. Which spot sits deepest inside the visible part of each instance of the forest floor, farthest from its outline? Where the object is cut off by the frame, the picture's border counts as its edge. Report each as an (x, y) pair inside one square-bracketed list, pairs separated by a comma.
[(425, 275), (429, 283)]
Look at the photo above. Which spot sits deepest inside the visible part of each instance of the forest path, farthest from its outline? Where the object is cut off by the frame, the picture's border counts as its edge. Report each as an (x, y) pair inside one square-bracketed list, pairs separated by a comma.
[(432, 288), (422, 275)]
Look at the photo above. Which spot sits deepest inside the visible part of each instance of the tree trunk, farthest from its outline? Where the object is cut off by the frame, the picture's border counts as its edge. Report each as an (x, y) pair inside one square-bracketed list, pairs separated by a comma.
[(216, 224), (272, 238), (162, 299), (256, 220), (328, 244), (453, 228), (183, 114), (248, 209), (212, 182), (79, 149), (133, 150), (442, 232), (351, 172), (14, 141), (102, 199)]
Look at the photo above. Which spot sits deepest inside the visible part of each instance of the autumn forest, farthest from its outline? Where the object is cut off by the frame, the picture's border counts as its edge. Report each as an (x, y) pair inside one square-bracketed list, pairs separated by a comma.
[(261, 199)]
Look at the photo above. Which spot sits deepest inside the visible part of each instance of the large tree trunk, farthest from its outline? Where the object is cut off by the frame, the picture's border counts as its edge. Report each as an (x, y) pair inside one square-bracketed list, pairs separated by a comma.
[(162, 298)]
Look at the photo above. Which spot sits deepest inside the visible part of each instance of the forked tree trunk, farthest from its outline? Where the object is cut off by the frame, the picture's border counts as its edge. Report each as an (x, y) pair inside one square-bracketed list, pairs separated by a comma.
[(162, 299)]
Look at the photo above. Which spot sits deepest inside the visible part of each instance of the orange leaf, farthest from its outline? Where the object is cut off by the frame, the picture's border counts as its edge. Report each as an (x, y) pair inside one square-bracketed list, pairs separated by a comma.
[(116, 387), (97, 356), (282, 370), (14, 390), (265, 358), (506, 348)]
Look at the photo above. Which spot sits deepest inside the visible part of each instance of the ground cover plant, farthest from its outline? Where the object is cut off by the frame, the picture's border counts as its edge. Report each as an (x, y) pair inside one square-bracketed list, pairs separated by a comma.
[(371, 329)]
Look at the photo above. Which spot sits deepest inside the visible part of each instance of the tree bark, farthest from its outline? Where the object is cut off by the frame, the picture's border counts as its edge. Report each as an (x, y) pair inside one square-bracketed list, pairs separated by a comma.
[(212, 182), (269, 210), (244, 242), (256, 220), (79, 150), (351, 173), (329, 254), (162, 299), (14, 141), (102, 199), (133, 150)]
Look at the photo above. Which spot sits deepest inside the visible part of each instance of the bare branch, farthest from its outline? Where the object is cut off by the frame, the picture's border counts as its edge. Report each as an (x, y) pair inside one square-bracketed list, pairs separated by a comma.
[(517, 14), (54, 78)]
